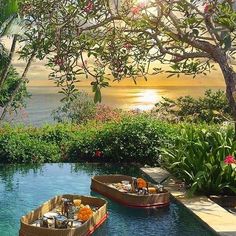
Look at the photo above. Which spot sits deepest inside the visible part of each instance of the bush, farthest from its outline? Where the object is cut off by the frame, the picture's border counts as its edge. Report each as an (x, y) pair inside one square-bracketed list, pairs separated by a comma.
[(79, 110), (212, 108), (21, 148), (133, 139), (107, 113), (197, 157)]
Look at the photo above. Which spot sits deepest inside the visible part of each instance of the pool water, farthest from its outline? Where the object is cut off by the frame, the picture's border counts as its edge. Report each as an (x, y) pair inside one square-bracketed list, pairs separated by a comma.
[(25, 187)]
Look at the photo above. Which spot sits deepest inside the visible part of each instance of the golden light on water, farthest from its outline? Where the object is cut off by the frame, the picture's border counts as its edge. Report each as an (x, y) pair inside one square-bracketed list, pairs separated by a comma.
[(148, 96), (146, 99)]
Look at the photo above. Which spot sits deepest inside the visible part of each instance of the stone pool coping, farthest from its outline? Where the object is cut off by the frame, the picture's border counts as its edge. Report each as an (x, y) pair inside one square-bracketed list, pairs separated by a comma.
[(214, 216)]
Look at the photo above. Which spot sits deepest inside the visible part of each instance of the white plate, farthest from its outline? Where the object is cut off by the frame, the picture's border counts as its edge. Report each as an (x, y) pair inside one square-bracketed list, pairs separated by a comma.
[(50, 214), (77, 224)]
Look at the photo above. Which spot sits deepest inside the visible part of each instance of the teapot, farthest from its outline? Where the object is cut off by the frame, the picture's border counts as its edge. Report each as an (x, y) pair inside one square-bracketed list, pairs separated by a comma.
[(61, 222)]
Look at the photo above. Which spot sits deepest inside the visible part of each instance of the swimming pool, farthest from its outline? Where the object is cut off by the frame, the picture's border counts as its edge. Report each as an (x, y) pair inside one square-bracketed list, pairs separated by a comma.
[(25, 187)]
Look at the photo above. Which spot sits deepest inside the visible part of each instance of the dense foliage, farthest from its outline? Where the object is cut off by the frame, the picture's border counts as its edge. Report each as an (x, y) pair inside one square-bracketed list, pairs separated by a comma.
[(211, 108), (107, 39), (79, 110), (198, 157), (82, 109), (8, 87), (133, 139), (194, 153)]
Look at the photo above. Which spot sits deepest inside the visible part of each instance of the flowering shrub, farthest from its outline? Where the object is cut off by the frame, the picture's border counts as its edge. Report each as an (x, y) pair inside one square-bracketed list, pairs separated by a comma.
[(213, 107), (203, 159), (132, 139), (106, 113), (98, 153)]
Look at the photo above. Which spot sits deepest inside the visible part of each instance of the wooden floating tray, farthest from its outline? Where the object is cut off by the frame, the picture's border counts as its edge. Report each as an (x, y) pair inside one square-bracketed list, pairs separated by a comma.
[(100, 184), (87, 228)]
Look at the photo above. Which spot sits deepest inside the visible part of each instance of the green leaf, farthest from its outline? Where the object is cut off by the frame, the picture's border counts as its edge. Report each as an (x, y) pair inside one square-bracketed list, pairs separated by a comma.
[(227, 42), (97, 95)]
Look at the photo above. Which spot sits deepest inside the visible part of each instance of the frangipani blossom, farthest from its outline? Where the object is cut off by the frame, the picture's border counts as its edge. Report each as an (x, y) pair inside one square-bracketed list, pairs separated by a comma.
[(139, 7), (229, 160), (135, 10), (89, 7)]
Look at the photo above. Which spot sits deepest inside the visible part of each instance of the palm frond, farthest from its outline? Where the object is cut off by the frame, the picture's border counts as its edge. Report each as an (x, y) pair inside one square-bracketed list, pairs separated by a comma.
[(4, 57), (5, 27), (7, 9)]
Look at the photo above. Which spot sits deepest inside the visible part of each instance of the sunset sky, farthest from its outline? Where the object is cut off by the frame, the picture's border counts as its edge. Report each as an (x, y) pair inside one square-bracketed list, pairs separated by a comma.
[(38, 76)]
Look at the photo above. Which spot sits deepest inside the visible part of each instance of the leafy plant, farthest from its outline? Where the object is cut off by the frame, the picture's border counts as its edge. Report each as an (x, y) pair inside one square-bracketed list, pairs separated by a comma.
[(121, 40), (10, 84), (133, 139), (78, 110), (197, 157), (213, 107), (21, 148)]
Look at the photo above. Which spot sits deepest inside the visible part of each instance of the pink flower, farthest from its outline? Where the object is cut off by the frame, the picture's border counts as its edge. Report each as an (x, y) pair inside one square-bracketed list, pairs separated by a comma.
[(135, 10), (58, 61), (128, 46), (98, 153), (89, 7), (206, 8), (229, 160)]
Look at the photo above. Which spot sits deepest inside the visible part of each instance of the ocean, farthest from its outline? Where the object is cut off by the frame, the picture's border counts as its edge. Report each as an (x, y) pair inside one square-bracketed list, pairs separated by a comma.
[(45, 99)]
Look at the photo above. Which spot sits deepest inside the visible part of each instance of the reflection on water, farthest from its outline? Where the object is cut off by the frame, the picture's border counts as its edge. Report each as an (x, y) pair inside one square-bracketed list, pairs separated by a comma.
[(46, 99), (25, 187), (146, 99)]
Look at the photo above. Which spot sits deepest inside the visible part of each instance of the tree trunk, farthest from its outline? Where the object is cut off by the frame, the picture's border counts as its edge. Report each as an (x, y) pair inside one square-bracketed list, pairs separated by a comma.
[(230, 81), (8, 66), (14, 93)]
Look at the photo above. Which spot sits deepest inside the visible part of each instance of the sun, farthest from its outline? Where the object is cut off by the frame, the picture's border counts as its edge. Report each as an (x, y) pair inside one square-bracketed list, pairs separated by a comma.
[(148, 96)]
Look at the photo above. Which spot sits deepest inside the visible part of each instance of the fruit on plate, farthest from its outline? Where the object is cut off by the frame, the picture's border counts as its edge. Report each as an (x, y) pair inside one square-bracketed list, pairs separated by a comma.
[(141, 183), (77, 202), (85, 213)]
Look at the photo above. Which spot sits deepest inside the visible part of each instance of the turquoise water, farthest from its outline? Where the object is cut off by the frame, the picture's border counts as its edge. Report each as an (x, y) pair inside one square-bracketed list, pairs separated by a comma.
[(24, 187)]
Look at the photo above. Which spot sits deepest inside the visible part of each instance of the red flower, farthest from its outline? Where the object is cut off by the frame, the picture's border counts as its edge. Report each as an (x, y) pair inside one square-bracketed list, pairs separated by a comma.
[(206, 8), (89, 7), (58, 61), (128, 46), (229, 160), (98, 153)]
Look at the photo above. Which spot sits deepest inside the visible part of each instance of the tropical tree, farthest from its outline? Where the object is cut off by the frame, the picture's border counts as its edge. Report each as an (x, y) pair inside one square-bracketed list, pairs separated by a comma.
[(8, 17), (116, 39), (12, 88)]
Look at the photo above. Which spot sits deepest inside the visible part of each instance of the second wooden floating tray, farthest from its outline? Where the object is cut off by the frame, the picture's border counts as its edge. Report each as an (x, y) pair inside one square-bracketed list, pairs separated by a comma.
[(103, 185)]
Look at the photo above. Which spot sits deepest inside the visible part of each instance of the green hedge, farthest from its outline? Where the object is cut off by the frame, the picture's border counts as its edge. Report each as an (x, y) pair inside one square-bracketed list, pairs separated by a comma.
[(138, 139), (22, 148), (194, 153), (133, 139)]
